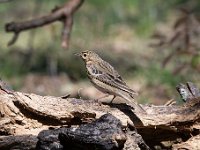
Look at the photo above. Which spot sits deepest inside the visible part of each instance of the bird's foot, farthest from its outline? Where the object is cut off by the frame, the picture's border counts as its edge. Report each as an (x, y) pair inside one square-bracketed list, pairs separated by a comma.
[(97, 101)]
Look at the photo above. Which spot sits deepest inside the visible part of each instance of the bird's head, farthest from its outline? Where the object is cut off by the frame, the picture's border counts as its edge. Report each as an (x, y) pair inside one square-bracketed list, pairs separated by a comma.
[(88, 55)]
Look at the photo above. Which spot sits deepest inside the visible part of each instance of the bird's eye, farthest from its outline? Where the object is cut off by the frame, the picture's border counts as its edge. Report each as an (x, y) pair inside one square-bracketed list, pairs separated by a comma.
[(84, 55)]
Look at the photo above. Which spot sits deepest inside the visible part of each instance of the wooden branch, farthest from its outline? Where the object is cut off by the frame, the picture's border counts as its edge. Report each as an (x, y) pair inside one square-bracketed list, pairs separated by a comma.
[(188, 91), (64, 14), (22, 114), (105, 133), (22, 142), (192, 143)]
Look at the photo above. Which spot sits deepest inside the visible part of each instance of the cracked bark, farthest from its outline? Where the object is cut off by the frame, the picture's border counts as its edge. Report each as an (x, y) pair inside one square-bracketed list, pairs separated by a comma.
[(26, 115)]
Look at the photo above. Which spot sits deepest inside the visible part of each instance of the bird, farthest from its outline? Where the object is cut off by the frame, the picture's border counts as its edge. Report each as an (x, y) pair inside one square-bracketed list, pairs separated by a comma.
[(106, 79)]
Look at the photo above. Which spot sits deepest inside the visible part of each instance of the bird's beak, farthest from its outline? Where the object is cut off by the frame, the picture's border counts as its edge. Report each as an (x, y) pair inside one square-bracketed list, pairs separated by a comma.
[(77, 54)]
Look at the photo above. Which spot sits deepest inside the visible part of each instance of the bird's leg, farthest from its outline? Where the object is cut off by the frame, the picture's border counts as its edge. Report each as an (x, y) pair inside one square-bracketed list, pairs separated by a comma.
[(112, 98), (106, 95)]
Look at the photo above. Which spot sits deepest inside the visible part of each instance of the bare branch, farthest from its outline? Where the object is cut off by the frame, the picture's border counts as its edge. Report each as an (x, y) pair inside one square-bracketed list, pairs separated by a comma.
[(59, 14), (14, 39), (66, 31)]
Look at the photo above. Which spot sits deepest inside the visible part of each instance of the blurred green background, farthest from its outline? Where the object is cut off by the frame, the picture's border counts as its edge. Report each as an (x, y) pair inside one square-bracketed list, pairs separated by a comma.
[(120, 31)]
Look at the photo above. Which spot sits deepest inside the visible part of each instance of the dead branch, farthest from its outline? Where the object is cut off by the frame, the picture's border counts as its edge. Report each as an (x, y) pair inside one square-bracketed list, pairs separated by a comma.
[(22, 142), (63, 14), (192, 143), (183, 40), (106, 133), (23, 114)]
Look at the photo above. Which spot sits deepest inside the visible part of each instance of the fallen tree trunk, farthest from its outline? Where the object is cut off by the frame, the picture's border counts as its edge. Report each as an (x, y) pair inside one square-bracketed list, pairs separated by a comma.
[(25, 115)]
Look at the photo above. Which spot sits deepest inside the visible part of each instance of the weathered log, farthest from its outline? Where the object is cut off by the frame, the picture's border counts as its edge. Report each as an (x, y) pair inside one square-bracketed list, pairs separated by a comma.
[(192, 143), (20, 142), (188, 91), (22, 114), (106, 133)]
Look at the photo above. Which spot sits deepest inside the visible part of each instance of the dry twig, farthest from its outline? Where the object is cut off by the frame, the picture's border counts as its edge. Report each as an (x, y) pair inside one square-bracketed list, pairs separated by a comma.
[(184, 40), (63, 14)]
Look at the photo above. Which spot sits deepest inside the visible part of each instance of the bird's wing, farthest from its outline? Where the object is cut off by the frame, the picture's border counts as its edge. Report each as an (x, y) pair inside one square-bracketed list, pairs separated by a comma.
[(108, 78), (107, 68)]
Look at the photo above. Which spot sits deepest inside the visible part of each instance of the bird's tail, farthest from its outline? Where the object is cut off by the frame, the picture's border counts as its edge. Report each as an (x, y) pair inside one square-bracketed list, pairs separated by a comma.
[(130, 98)]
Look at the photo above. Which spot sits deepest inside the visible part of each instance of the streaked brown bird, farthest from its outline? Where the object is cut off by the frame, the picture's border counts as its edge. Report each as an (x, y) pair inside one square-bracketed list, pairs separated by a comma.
[(106, 79)]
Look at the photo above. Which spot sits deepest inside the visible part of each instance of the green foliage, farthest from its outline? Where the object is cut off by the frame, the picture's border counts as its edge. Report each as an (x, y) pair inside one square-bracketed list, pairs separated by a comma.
[(141, 15), (156, 76), (10, 66), (195, 63)]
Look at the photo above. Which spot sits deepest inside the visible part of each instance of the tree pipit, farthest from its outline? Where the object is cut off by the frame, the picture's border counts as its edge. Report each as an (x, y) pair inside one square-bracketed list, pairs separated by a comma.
[(106, 79)]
